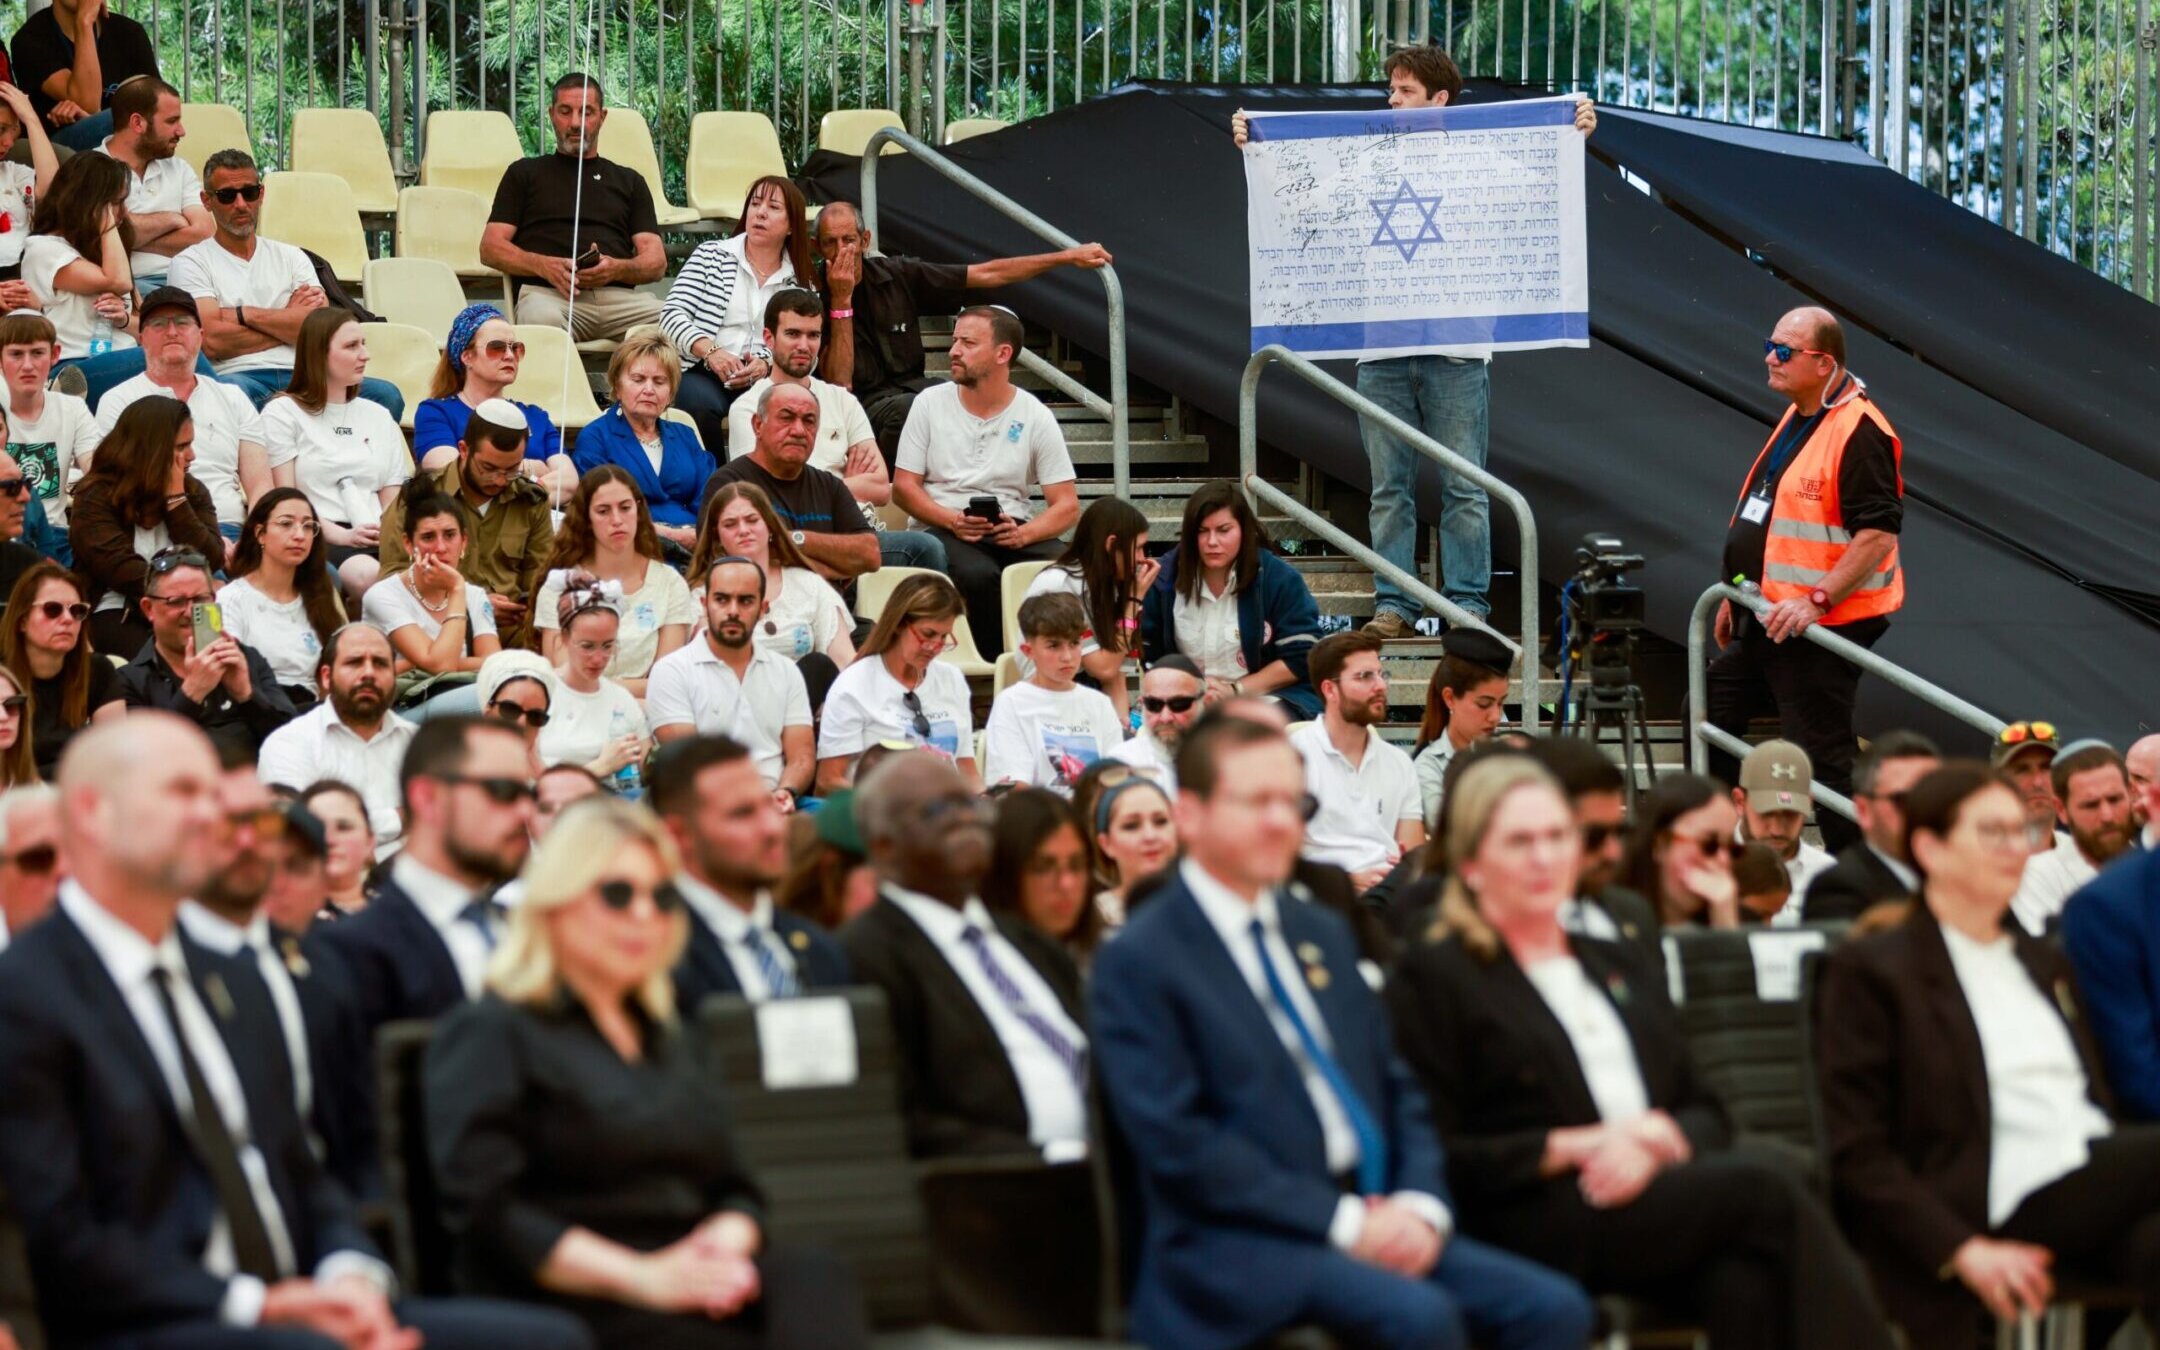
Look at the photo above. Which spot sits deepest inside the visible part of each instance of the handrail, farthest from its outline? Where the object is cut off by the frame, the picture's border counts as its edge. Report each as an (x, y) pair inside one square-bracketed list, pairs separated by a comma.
[(1113, 293), (1249, 474), (1702, 736)]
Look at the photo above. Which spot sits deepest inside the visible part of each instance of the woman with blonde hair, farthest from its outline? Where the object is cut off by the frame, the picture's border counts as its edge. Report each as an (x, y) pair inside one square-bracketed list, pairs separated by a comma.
[(665, 458), (1578, 1132), (582, 1140), (898, 690)]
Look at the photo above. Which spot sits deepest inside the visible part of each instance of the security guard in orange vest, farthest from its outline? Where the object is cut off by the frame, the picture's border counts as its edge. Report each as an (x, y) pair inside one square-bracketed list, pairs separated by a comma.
[(1816, 527)]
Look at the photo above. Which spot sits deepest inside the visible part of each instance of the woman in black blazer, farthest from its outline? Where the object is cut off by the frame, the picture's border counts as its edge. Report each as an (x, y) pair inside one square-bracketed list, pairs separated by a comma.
[(1577, 1130), (1971, 1148), (581, 1145)]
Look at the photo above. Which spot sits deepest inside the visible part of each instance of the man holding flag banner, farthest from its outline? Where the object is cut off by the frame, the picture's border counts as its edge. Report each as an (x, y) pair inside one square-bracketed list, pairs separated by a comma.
[(1420, 242)]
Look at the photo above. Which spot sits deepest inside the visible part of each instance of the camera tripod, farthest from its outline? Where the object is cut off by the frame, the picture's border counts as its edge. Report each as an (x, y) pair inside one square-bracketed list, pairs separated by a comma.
[(1612, 700)]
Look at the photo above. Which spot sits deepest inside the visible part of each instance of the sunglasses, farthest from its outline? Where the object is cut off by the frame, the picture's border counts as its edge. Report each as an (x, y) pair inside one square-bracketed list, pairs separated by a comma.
[(1785, 351), (1181, 704), (2020, 733), (1712, 845), (166, 559), (501, 791), (535, 718), (913, 703), (180, 601), (251, 192), (14, 703), (54, 610), (37, 860), (620, 895), (1597, 836), (500, 348), (14, 487)]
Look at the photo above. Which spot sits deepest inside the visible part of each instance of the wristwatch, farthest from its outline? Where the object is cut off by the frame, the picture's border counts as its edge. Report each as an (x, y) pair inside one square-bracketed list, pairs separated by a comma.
[(1820, 598), (797, 536)]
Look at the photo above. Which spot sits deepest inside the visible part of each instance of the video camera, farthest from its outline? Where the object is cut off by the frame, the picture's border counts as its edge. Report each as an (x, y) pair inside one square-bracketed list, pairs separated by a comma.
[(1605, 603)]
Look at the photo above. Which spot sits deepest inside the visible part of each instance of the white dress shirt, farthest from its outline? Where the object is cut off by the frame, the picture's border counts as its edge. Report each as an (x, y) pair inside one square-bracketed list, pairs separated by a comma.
[(442, 901), (1232, 917), (1361, 805), (1602, 1048), (1057, 1110), (2040, 1111), (1807, 863), (2051, 878), (732, 926), (316, 745), (1206, 629), (226, 938)]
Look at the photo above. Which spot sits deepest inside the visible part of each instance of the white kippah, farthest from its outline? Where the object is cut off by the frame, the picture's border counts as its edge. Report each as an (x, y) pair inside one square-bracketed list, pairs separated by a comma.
[(503, 413)]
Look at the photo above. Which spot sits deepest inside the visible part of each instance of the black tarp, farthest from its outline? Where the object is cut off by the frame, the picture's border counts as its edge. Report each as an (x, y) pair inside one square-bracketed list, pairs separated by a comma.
[(2034, 330), (1646, 434)]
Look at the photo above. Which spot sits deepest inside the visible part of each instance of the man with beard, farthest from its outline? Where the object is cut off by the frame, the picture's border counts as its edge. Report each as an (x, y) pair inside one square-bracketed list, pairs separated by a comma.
[(29, 856), (2094, 789), (163, 201), (1597, 792), (2025, 751), (351, 736), (324, 1057), (1776, 803), (725, 684), (1172, 693), (733, 838), (1371, 811)]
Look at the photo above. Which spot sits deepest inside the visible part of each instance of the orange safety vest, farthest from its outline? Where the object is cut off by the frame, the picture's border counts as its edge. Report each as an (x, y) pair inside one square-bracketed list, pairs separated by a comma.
[(1806, 529)]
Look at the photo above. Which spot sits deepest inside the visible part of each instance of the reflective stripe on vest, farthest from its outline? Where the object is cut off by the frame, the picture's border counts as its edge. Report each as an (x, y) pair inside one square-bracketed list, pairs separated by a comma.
[(1805, 537)]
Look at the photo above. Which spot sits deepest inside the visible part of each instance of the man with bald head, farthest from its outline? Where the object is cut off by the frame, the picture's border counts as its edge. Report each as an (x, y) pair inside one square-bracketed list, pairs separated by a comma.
[(1816, 528), (29, 856), (2143, 763), (161, 1175), (814, 506)]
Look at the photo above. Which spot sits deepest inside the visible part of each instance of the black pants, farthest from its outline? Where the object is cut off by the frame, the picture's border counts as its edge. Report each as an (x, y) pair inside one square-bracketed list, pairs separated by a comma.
[(1809, 689), (809, 1301), (445, 1324), (818, 673), (978, 570), (2103, 1220), (707, 401), (887, 408)]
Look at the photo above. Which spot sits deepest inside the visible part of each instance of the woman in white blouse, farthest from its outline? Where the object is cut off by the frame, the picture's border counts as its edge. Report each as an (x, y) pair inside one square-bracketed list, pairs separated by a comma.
[(715, 310), (281, 600), (347, 453), (1576, 1128), (607, 532), (439, 623), (805, 620)]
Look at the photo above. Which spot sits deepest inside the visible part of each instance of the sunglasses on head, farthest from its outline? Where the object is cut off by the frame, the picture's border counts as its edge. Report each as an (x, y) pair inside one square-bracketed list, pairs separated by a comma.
[(14, 487), (535, 718), (2018, 733), (1180, 704), (249, 192), (166, 559), (38, 859), (501, 348), (620, 895), (501, 791), (54, 609), (1785, 351)]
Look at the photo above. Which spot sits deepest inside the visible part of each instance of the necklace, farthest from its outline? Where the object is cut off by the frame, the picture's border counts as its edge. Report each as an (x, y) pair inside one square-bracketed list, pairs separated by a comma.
[(410, 585)]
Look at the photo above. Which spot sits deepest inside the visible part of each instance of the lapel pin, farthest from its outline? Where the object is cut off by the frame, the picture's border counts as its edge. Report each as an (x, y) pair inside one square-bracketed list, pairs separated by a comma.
[(1309, 953), (2064, 1001), (1317, 977), (295, 962), (220, 996), (799, 940), (1616, 985)]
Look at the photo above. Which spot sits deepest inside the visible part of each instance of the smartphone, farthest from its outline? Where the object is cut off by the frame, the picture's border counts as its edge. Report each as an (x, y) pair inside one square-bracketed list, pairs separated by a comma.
[(209, 625), (589, 258), (985, 508)]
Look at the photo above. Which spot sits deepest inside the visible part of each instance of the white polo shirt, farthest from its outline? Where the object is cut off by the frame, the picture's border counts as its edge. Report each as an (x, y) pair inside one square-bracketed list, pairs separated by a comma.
[(691, 686), (960, 455), (1206, 629), (210, 271), (223, 417), (1359, 807), (168, 184)]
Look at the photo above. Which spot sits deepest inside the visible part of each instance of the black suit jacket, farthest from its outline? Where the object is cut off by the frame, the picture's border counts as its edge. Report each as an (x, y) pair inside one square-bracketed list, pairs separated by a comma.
[(399, 966), (957, 1088), (1855, 884), (705, 970), (114, 1202), (1906, 1110)]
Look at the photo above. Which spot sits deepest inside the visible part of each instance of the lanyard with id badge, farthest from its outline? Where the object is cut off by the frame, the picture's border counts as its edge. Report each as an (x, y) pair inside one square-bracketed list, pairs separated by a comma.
[(1756, 509)]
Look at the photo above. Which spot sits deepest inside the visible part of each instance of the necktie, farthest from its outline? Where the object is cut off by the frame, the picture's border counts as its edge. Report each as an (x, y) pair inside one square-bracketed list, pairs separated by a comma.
[(481, 913), (1372, 1144), (779, 980), (1072, 1056), (292, 1023), (252, 1250)]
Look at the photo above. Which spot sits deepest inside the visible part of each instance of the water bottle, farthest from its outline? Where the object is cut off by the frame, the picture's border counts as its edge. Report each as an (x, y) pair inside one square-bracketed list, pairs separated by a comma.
[(627, 782), (101, 334)]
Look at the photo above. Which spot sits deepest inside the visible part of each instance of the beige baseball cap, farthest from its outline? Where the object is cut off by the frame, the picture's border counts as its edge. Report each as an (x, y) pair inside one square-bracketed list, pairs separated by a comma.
[(1776, 776)]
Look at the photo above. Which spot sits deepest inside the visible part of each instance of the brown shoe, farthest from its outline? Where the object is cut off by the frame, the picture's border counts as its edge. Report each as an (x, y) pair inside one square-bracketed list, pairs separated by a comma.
[(1388, 625)]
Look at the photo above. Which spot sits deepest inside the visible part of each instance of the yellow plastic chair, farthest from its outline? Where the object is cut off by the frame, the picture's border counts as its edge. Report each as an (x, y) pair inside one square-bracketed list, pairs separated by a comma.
[(963, 128), (443, 224), (316, 211), (673, 414), (728, 152), (846, 131), (420, 292), (1008, 674), (469, 149), (626, 137), (405, 355), (211, 127), (873, 589), (553, 377), (1013, 583), (349, 143)]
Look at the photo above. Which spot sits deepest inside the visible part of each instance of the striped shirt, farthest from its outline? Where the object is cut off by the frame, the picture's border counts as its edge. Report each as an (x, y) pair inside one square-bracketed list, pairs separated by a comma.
[(716, 297)]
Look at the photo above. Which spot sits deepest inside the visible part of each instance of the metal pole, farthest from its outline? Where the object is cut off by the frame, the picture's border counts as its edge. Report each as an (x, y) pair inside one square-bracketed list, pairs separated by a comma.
[(2141, 173), (397, 77), (2031, 222), (1897, 88)]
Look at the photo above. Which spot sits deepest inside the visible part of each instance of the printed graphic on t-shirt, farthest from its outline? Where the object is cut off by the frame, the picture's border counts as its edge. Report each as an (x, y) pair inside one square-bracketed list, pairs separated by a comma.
[(1070, 751), (944, 734), (40, 461)]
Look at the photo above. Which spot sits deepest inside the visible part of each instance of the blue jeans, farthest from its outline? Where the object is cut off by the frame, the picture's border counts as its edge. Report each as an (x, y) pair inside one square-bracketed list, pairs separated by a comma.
[(1447, 398), (86, 134), (264, 384), (1476, 1294), (102, 372), (910, 548)]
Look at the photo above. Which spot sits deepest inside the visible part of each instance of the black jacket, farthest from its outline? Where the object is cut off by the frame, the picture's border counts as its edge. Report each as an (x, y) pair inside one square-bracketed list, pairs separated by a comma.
[(147, 682), (705, 970), (1855, 884), (400, 968)]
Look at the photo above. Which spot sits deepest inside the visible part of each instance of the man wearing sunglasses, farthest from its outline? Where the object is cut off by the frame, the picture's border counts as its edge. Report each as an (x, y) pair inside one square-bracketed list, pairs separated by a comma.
[(16, 557), (1816, 529), (29, 856), (227, 688), (1171, 693), (1597, 793)]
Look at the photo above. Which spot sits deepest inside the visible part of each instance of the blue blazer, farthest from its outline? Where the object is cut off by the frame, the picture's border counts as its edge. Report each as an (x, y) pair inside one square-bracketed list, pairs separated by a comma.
[(705, 970), (2111, 931), (673, 493), (398, 964), (1234, 1182), (1277, 621)]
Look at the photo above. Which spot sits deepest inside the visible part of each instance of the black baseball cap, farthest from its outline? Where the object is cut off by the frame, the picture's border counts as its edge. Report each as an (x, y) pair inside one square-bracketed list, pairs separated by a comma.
[(170, 297)]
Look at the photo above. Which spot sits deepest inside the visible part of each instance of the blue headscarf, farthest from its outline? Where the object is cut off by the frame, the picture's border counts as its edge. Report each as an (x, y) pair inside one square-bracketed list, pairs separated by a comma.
[(462, 329)]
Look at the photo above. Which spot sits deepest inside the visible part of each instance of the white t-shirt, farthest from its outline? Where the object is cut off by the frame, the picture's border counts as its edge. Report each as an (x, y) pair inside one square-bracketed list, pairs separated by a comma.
[(1047, 739), (390, 605), (867, 705), (343, 456), (1360, 807), (55, 450), (168, 184), (961, 455), (579, 725), (209, 271), (662, 600), (691, 686), (841, 423), (223, 418), (806, 615), (280, 632), (72, 315), (15, 180)]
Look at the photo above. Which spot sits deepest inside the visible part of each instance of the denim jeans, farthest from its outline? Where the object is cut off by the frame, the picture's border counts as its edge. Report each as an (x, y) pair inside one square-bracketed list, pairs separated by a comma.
[(1447, 398), (911, 548), (264, 384), (85, 134)]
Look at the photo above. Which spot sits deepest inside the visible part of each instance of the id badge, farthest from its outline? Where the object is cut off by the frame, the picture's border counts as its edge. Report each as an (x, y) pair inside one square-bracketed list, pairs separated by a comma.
[(1755, 510)]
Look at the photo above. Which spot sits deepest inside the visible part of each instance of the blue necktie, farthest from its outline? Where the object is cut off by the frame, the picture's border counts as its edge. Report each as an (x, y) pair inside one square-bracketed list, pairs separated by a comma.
[(482, 913), (1372, 1167), (1072, 1056), (779, 980)]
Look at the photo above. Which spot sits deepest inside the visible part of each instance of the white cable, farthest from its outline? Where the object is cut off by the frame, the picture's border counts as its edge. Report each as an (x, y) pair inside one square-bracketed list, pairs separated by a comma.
[(572, 367)]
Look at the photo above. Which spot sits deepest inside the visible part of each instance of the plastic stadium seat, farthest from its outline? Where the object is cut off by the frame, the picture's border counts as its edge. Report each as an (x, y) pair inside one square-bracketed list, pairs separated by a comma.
[(1008, 674), (873, 589), (965, 127), (349, 143), (405, 355), (420, 292), (1012, 588), (553, 376), (443, 224), (845, 131), (211, 127), (728, 152), (316, 211), (469, 149), (678, 415), (626, 138)]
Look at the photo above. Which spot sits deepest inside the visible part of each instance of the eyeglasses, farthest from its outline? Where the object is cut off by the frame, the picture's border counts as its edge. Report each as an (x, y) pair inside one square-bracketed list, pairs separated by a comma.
[(14, 487), (913, 703), (1596, 836), (1181, 704), (249, 192), (620, 895), (501, 348), (1711, 845), (501, 791), (2021, 733), (180, 601), (1785, 351), (304, 524), (166, 559), (535, 718), (944, 644), (37, 860), (54, 609), (169, 321), (1992, 834)]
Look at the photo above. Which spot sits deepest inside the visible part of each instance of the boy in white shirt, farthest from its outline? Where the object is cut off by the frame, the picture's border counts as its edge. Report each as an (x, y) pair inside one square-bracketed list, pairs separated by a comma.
[(1045, 731)]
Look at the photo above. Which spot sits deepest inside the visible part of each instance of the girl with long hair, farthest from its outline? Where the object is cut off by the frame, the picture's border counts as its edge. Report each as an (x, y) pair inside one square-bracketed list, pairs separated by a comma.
[(1039, 870), (1464, 702), (1108, 567), (480, 360), (46, 648), (607, 532), (440, 623), (1135, 838), (897, 689), (805, 620), (715, 310), (281, 600), (76, 261), (137, 499), (1680, 853), (18, 754)]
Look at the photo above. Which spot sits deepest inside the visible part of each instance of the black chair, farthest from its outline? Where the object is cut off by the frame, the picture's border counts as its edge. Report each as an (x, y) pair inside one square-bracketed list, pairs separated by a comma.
[(420, 1246), (18, 1297)]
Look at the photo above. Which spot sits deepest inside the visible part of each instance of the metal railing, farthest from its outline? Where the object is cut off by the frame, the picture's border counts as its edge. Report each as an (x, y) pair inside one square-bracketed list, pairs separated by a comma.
[(1113, 408), (1702, 736), (1525, 525)]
